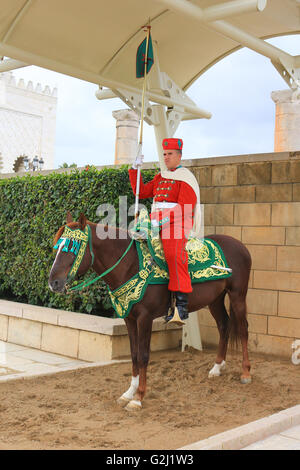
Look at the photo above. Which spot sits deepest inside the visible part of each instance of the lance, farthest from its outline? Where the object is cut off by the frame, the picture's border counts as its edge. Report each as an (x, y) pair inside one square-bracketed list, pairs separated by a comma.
[(137, 193)]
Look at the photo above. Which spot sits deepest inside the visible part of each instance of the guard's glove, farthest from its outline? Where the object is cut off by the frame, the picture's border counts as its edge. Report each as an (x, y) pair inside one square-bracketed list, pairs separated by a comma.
[(138, 162)]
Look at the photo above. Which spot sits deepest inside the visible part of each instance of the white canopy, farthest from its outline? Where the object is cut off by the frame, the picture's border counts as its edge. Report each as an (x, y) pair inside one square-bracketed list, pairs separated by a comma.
[(96, 40)]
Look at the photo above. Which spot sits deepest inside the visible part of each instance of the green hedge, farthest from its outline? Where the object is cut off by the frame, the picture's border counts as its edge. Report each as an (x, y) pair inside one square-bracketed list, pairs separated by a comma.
[(32, 208)]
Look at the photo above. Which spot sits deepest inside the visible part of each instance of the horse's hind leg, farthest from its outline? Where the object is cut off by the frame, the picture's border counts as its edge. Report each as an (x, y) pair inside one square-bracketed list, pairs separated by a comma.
[(238, 315), (133, 338), (218, 311)]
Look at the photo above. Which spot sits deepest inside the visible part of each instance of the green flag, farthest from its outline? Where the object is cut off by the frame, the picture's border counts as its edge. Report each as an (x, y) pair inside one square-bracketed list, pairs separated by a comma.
[(141, 57)]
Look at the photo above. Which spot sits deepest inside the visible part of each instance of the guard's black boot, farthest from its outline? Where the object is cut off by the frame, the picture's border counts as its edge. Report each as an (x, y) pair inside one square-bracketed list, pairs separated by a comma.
[(182, 304), (180, 313)]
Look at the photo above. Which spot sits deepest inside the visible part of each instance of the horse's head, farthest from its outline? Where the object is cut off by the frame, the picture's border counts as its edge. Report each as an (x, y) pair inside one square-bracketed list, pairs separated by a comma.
[(74, 252)]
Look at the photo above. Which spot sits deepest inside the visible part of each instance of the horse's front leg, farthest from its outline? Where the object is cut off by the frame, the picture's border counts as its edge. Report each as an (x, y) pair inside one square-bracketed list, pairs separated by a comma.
[(144, 325), (219, 312), (133, 338)]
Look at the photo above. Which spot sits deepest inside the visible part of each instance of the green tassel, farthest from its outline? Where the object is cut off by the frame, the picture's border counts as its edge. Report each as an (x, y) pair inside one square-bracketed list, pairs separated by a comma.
[(57, 244), (66, 245), (75, 247)]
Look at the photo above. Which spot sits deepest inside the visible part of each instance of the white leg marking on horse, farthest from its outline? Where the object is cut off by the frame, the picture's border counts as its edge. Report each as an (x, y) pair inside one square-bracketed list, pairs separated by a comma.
[(129, 394), (132, 389), (216, 370)]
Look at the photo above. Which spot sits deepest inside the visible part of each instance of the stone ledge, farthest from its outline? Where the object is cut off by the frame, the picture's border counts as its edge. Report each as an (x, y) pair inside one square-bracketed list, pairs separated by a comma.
[(238, 438), (194, 162), (81, 336), (81, 321)]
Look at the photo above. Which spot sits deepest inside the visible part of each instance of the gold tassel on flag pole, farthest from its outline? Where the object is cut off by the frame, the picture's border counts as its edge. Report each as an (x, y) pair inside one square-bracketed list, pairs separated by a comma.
[(142, 124)]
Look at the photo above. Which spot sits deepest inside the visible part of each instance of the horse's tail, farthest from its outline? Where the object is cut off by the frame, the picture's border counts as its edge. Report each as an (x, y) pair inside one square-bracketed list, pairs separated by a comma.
[(233, 330), (237, 326)]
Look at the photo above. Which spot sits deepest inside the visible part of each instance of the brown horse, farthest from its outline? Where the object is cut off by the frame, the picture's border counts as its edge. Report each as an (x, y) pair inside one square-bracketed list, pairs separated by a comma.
[(156, 300)]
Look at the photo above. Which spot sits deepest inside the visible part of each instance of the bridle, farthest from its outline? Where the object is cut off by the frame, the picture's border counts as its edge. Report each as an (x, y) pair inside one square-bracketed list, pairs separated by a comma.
[(80, 240)]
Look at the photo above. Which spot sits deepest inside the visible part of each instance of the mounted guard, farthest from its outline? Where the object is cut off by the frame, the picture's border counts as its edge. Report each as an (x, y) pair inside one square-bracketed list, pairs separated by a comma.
[(176, 215)]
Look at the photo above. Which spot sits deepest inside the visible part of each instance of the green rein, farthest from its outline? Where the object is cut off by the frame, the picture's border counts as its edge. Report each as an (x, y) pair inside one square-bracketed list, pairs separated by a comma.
[(80, 240)]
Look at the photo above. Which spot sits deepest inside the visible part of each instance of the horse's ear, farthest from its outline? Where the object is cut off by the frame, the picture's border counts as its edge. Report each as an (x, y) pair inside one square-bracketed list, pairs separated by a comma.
[(82, 221), (69, 217)]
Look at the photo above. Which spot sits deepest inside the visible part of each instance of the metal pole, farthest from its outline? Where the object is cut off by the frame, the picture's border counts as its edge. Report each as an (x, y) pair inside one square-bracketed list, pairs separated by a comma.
[(137, 192)]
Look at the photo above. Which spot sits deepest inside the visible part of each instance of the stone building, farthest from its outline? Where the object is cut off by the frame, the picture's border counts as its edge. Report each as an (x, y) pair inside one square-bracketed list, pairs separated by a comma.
[(27, 123)]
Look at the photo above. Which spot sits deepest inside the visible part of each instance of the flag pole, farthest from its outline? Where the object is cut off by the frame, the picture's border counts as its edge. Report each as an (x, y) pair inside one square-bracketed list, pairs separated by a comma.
[(137, 193)]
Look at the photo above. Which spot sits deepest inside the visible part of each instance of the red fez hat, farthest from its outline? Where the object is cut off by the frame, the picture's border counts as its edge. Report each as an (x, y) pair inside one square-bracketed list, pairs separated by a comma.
[(172, 144)]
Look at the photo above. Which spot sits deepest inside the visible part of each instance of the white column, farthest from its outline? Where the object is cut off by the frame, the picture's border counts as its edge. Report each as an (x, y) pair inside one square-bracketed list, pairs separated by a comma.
[(127, 126), (2, 89), (287, 120)]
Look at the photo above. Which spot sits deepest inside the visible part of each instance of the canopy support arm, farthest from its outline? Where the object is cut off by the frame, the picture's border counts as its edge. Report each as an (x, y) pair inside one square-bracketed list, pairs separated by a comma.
[(127, 91), (211, 17), (289, 72), (11, 64), (215, 12)]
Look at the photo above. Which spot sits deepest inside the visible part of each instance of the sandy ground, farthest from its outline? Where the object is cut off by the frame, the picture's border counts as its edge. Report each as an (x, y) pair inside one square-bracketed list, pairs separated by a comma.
[(78, 409)]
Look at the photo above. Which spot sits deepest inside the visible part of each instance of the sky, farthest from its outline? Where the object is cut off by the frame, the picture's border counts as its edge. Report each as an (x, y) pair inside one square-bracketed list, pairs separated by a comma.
[(237, 91)]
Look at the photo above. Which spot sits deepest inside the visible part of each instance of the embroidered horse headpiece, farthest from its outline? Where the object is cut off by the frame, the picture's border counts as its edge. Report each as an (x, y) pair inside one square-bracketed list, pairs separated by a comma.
[(75, 241)]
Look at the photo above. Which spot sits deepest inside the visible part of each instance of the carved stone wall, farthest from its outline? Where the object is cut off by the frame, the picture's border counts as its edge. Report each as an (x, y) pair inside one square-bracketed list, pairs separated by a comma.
[(256, 199), (27, 122)]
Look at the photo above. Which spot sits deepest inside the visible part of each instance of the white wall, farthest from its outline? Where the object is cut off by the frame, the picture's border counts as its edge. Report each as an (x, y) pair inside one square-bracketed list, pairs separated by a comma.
[(27, 121)]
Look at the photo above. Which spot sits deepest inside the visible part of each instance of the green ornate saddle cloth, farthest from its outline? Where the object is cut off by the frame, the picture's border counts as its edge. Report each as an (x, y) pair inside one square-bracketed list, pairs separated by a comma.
[(205, 263)]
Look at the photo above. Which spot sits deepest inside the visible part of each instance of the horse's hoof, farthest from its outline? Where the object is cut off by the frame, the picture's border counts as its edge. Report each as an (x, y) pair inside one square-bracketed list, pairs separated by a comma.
[(246, 379), (212, 376), (134, 405), (122, 401)]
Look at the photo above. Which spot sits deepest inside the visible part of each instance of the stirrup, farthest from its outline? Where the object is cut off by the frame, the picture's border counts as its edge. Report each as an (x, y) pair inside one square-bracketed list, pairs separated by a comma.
[(176, 318)]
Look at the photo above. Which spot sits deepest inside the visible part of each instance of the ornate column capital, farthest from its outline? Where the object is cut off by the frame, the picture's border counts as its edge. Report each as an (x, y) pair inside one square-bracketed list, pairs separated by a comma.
[(126, 115), (285, 96)]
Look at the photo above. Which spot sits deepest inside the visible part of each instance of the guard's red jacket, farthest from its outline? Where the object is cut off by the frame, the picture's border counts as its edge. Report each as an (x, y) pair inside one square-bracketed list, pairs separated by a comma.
[(162, 189), (176, 223)]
